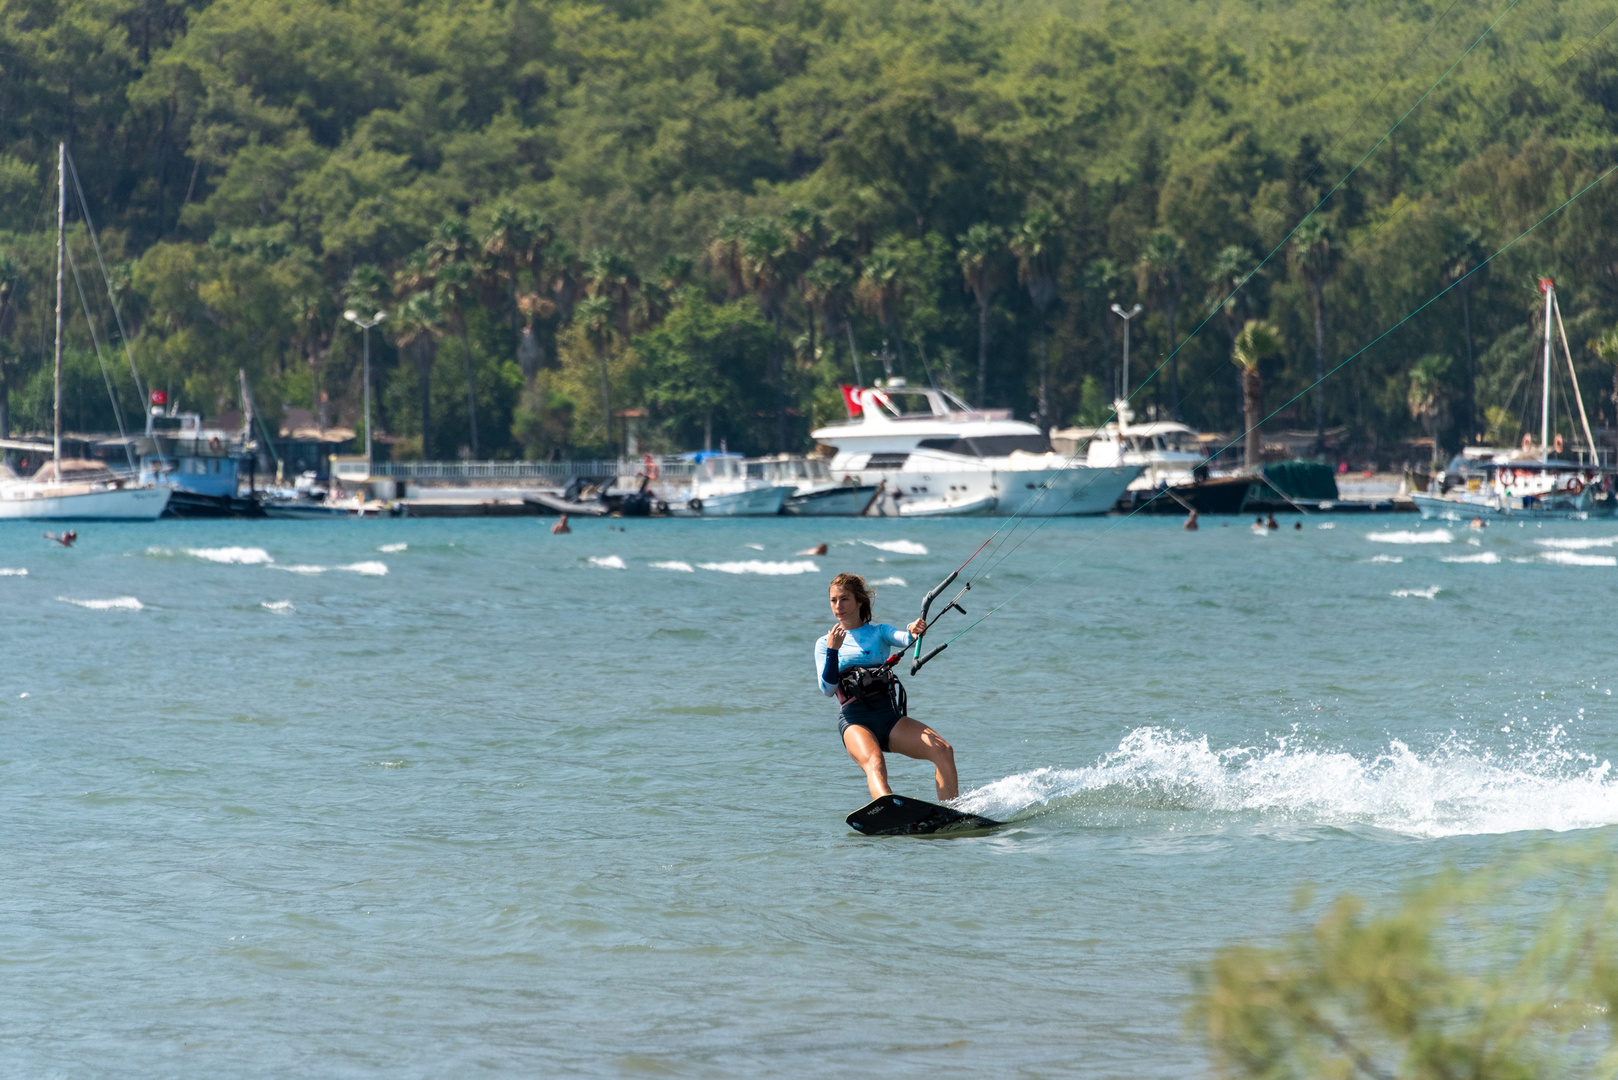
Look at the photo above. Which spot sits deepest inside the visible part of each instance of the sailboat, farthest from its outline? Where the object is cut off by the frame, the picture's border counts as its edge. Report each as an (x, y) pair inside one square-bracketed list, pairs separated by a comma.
[(1534, 483), (72, 489)]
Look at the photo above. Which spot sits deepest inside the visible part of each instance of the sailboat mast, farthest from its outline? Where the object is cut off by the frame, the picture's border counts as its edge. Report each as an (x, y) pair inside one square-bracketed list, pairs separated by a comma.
[(61, 257), (1548, 287)]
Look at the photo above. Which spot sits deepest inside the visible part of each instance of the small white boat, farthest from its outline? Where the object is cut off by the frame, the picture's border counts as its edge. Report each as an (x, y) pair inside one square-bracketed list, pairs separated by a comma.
[(91, 493), (814, 492), (74, 489), (722, 488)]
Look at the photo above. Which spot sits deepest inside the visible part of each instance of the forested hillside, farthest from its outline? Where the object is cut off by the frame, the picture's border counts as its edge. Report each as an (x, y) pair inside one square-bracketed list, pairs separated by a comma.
[(698, 208)]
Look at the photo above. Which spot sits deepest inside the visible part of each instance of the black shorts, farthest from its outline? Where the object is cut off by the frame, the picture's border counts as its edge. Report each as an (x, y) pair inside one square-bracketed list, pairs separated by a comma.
[(877, 717)]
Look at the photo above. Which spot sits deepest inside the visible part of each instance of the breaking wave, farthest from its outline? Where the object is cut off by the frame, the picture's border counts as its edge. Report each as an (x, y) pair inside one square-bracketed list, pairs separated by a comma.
[(117, 603), (608, 562), (1573, 558), (241, 556), (13, 571), (754, 566), (1410, 536), (1580, 543), (1428, 593), (898, 581), (898, 547), (390, 549), (1385, 558), (370, 569), (279, 607), (675, 564), (1485, 557), (1453, 791)]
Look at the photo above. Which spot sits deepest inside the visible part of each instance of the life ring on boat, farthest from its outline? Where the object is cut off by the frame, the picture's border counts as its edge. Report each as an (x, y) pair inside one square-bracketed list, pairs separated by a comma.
[(694, 504), (213, 444), (1574, 486), (651, 467)]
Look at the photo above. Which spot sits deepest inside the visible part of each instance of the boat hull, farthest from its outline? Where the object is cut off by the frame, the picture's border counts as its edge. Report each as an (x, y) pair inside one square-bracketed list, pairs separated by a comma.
[(840, 501), (118, 504), (1076, 491), (911, 508), (1437, 507), (757, 502)]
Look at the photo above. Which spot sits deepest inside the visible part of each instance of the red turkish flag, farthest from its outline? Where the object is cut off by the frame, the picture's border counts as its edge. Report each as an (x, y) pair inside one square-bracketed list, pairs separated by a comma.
[(160, 397), (851, 399)]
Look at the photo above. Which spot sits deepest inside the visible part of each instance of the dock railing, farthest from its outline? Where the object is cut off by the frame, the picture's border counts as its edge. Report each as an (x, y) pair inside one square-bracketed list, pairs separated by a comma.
[(554, 473)]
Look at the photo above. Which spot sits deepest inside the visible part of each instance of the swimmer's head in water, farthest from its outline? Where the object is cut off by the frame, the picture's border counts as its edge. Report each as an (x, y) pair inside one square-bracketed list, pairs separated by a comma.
[(854, 586)]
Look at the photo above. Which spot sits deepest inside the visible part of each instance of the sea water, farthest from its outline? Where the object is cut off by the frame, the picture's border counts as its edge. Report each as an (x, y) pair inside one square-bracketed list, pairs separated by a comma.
[(447, 798)]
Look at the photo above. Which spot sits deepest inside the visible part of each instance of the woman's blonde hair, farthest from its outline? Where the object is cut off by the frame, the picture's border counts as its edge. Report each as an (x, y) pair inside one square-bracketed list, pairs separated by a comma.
[(857, 588)]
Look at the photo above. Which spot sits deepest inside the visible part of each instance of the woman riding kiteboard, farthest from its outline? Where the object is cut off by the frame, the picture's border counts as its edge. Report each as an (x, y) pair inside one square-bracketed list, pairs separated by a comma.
[(850, 662)]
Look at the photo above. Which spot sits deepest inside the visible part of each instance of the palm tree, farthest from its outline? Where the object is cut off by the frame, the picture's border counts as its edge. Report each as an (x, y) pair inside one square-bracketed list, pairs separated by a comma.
[(1158, 276), (454, 262), (767, 265), (1255, 341), (1429, 395), (612, 275), (10, 275), (725, 252), (1233, 294), (1315, 257), (1606, 347), (1101, 277), (1034, 244), (1468, 270), (595, 317), (981, 257), (828, 288), (880, 289), (417, 324)]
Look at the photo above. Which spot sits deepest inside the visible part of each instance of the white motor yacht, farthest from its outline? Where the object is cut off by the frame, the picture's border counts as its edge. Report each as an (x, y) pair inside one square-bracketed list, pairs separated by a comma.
[(934, 455)]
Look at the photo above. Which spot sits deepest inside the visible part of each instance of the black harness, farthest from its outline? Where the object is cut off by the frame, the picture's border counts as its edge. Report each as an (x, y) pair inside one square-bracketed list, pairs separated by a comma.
[(873, 686)]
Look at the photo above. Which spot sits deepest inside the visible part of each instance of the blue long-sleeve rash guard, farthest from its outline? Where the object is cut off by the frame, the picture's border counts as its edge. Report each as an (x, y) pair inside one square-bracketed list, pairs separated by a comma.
[(869, 644)]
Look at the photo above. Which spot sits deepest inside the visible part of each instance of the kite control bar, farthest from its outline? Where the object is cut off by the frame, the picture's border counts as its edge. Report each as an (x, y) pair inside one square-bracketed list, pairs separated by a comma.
[(920, 660)]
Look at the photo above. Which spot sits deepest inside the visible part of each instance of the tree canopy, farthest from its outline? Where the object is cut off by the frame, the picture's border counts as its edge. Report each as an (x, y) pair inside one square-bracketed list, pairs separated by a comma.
[(699, 210)]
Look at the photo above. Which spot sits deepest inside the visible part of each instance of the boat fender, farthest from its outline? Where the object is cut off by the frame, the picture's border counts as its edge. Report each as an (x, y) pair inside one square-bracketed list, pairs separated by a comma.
[(662, 507), (1574, 486), (694, 504), (213, 444)]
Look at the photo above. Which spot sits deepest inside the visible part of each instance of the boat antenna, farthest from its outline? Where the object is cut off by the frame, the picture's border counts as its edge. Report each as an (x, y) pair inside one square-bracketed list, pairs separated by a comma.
[(61, 257)]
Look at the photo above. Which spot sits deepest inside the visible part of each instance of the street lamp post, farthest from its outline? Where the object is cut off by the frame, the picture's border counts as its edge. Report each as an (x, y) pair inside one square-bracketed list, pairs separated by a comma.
[(1123, 391), (365, 332)]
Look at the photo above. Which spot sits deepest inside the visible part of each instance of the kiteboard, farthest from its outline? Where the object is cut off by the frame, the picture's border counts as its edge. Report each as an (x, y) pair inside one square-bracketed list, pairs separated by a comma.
[(900, 815)]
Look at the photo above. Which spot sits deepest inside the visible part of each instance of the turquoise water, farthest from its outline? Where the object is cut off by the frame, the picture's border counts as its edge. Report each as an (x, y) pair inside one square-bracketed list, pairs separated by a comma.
[(459, 797)]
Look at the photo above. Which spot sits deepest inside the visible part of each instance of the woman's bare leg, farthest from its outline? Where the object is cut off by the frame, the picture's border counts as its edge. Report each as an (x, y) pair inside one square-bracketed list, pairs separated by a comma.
[(862, 747), (914, 739)]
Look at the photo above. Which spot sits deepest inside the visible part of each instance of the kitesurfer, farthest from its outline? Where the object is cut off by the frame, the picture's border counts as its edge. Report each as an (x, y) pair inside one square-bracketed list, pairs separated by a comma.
[(849, 660)]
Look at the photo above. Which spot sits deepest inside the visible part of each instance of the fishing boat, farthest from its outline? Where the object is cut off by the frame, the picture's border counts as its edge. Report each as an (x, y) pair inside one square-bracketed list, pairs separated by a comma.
[(721, 487), (815, 492), (73, 489), (928, 447), (1540, 483)]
